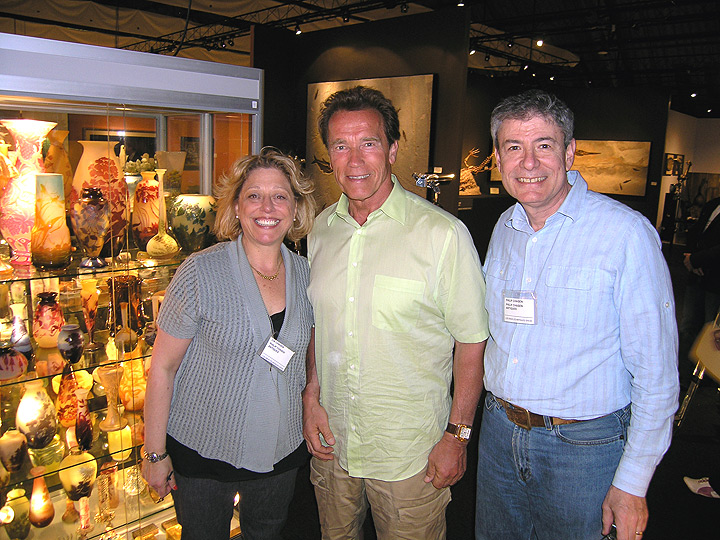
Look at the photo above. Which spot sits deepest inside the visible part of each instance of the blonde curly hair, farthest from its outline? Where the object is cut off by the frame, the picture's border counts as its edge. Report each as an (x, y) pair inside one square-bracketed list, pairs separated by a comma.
[(228, 188)]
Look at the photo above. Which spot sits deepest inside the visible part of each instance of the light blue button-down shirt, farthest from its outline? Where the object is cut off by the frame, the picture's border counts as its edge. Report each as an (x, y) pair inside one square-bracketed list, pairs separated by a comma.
[(605, 331)]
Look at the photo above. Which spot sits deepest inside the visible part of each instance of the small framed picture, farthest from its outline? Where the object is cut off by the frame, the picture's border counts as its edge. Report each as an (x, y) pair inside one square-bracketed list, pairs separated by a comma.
[(674, 164)]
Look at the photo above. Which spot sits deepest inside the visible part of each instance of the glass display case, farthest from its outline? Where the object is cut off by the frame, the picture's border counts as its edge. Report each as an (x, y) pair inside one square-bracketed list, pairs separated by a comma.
[(107, 158)]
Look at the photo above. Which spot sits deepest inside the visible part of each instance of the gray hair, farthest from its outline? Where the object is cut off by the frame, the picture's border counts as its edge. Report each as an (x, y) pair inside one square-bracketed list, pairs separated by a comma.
[(533, 103)]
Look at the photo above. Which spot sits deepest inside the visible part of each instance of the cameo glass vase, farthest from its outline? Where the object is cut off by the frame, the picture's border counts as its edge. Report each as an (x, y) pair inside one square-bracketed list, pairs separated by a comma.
[(36, 416), (89, 298), (42, 510), (50, 236), (19, 527), (90, 218), (47, 320), (13, 364), (99, 168), (66, 405), (162, 245), (19, 336), (146, 209), (18, 199), (13, 447), (192, 218)]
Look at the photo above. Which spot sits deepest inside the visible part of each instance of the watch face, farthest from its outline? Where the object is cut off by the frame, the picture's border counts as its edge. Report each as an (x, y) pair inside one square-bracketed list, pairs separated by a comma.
[(464, 433)]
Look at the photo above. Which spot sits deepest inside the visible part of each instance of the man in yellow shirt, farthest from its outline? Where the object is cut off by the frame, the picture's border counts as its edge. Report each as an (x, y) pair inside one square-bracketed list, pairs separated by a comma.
[(396, 287)]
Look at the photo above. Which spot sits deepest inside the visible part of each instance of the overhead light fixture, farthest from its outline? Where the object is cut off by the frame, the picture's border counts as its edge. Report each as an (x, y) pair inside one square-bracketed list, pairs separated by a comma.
[(709, 110), (345, 18), (461, 4), (539, 43), (510, 44), (552, 77), (509, 63), (693, 94), (472, 51), (298, 31), (231, 43), (404, 7), (223, 45), (487, 57), (525, 67)]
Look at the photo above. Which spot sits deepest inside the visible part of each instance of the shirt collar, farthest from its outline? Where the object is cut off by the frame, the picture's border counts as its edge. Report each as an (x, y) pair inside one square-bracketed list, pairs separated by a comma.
[(571, 207), (394, 206)]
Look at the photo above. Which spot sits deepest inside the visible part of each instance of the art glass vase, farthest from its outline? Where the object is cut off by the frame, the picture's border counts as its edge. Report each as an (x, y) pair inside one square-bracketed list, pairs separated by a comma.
[(89, 298), (13, 447), (50, 236), (19, 527), (146, 209), (17, 201), (90, 218), (83, 420), (42, 510), (173, 163), (125, 289), (133, 383), (13, 364), (110, 376), (192, 218), (19, 335), (49, 456), (66, 404), (99, 168), (77, 475), (70, 343), (36, 417), (48, 319), (162, 245), (57, 160)]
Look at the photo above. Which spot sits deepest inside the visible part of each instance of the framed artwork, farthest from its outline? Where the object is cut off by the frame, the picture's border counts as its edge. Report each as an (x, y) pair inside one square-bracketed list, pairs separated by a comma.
[(191, 145), (411, 96), (674, 164), (136, 143)]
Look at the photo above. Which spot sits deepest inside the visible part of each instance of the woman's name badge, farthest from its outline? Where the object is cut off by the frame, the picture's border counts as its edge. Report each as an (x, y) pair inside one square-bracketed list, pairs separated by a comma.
[(276, 354), (519, 307)]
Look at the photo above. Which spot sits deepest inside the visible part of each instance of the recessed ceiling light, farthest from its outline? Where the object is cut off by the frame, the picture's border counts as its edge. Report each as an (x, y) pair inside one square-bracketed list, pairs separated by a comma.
[(539, 42), (472, 51), (693, 94)]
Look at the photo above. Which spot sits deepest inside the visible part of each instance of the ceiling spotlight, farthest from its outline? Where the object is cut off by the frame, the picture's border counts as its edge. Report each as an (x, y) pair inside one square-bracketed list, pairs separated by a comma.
[(487, 57), (525, 67), (472, 51), (552, 77), (693, 94), (461, 4), (709, 110), (231, 42), (346, 18), (539, 43), (403, 8), (223, 45), (509, 63), (298, 31), (510, 44)]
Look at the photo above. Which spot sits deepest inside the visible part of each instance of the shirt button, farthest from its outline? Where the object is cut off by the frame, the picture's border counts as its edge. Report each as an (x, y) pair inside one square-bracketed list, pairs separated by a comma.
[(352, 366), (354, 264), (351, 299), (528, 280), (352, 397), (515, 360), (534, 240), (350, 333), (667, 304), (353, 428)]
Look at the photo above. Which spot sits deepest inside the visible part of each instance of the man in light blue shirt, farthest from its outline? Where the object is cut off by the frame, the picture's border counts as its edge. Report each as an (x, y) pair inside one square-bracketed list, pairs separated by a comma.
[(581, 364)]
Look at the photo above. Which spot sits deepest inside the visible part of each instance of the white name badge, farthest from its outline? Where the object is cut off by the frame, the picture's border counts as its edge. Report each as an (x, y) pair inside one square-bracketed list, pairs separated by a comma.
[(276, 354), (519, 307)]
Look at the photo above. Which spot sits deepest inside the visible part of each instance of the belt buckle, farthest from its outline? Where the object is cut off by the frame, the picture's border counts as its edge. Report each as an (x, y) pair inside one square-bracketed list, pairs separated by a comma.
[(516, 416), (528, 424)]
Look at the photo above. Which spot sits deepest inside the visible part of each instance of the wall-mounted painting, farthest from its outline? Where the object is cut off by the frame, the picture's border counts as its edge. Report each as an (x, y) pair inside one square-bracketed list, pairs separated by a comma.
[(411, 96), (614, 167)]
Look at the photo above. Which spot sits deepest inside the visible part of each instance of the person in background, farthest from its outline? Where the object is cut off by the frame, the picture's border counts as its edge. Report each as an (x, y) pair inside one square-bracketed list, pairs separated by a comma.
[(223, 408), (701, 299), (395, 285), (581, 364)]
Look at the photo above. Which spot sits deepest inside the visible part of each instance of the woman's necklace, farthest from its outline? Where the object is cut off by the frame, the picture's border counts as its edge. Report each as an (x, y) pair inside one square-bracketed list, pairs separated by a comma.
[(265, 276)]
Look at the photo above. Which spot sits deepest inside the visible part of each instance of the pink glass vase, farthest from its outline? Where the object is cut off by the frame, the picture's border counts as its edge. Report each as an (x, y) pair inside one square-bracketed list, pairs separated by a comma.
[(18, 200), (146, 209), (50, 236)]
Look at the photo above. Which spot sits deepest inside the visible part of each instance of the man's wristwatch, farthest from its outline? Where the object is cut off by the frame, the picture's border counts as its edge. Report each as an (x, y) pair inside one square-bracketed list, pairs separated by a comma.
[(460, 431), (152, 457)]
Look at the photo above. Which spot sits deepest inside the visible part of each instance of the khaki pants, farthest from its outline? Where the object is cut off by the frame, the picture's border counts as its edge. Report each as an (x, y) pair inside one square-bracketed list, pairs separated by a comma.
[(407, 509)]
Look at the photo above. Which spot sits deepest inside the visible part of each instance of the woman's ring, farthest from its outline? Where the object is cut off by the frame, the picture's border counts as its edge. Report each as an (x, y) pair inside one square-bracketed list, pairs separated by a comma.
[(639, 533)]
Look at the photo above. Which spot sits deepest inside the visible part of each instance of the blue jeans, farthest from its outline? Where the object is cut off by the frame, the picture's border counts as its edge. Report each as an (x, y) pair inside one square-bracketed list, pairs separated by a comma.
[(204, 507), (546, 483)]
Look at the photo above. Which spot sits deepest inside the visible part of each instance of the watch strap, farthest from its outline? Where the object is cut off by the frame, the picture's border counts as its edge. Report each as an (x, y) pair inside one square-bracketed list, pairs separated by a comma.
[(461, 432)]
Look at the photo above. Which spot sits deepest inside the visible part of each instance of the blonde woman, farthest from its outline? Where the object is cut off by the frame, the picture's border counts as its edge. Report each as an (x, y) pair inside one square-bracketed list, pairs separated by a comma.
[(223, 411)]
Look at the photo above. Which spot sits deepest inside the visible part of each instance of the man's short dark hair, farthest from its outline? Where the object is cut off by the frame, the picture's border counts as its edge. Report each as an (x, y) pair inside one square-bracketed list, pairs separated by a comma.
[(533, 103), (360, 98)]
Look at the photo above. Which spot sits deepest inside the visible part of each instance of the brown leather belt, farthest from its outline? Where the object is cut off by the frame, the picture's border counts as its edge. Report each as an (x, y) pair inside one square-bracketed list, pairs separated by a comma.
[(526, 419)]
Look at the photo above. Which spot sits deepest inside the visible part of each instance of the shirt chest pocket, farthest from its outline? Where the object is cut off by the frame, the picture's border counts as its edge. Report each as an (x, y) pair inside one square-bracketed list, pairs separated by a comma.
[(396, 303), (499, 276), (567, 297)]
